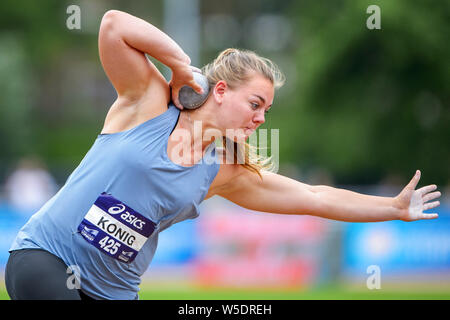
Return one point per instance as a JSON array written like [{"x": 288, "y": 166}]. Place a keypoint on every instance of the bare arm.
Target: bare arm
[
  {"x": 278, "y": 194},
  {"x": 346, "y": 205},
  {"x": 123, "y": 41}
]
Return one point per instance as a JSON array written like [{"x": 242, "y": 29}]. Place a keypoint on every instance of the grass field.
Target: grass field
[{"x": 161, "y": 291}]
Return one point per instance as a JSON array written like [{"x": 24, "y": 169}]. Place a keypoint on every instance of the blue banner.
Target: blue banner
[{"x": 398, "y": 247}]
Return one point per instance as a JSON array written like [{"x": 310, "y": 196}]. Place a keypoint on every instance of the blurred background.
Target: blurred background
[{"x": 361, "y": 109}]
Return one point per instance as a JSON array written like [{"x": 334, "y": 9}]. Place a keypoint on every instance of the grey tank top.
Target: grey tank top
[{"x": 104, "y": 222}]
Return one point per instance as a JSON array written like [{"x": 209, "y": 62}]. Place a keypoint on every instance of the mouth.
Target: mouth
[{"x": 248, "y": 131}]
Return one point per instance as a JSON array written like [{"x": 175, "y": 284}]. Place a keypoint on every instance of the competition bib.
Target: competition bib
[{"x": 115, "y": 229}]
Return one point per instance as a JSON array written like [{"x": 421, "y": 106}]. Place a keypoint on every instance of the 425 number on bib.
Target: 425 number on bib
[{"x": 109, "y": 245}]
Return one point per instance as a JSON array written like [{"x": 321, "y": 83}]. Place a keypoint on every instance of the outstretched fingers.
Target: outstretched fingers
[
  {"x": 420, "y": 199},
  {"x": 427, "y": 189},
  {"x": 431, "y": 205},
  {"x": 428, "y": 195},
  {"x": 429, "y": 216},
  {"x": 431, "y": 196},
  {"x": 414, "y": 181}
]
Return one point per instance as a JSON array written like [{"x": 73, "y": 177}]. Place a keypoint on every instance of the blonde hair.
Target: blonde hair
[{"x": 236, "y": 66}]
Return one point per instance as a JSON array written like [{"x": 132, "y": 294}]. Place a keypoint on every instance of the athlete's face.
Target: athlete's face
[{"x": 242, "y": 110}]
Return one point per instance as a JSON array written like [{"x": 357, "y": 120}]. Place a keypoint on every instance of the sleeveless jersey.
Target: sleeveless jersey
[{"x": 104, "y": 222}]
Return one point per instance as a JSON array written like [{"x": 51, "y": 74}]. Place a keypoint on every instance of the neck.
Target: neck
[{"x": 196, "y": 126}]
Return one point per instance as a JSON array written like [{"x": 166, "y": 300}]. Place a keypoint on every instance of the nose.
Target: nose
[{"x": 259, "y": 117}]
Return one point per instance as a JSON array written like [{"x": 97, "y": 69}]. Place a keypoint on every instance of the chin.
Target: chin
[{"x": 237, "y": 135}]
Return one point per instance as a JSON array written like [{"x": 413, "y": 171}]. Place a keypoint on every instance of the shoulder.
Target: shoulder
[{"x": 126, "y": 113}]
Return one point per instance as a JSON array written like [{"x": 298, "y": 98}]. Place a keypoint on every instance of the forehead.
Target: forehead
[{"x": 258, "y": 85}]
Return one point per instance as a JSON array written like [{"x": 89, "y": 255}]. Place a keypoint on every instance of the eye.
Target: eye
[{"x": 254, "y": 105}]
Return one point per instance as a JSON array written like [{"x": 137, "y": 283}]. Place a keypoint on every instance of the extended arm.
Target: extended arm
[{"x": 278, "y": 194}]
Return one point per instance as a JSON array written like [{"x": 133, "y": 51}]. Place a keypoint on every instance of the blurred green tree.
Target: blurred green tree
[
  {"x": 16, "y": 98},
  {"x": 370, "y": 102}
]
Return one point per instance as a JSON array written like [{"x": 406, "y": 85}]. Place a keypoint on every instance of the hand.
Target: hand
[
  {"x": 182, "y": 76},
  {"x": 413, "y": 202}
]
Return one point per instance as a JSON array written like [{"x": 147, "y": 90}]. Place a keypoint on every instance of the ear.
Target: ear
[{"x": 220, "y": 90}]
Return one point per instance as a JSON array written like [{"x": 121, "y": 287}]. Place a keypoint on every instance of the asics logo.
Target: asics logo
[
  {"x": 118, "y": 209},
  {"x": 126, "y": 216}
]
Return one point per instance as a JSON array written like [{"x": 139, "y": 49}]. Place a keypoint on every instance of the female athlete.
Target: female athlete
[{"x": 150, "y": 167}]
